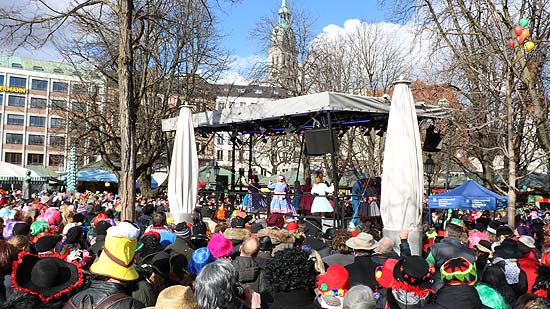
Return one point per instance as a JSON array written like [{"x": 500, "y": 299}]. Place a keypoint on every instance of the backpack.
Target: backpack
[{"x": 108, "y": 302}]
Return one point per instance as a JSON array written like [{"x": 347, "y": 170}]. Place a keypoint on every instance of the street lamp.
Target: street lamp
[
  {"x": 216, "y": 174},
  {"x": 429, "y": 167}
]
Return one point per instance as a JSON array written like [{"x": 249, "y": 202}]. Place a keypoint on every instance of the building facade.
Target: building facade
[{"x": 35, "y": 97}]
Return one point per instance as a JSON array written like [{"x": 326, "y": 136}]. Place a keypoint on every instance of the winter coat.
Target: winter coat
[
  {"x": 339, "y": 258},
  {"x": 100, "y": 290},
  {"x": 361, "y": 271},
  {"x": 529, "y": 263},
  {"x": 182, "y": 246},
  {"x": 495, "y": 277},
  {"x": 250, "y": 273},
  {"x": 448, "y": 248},
  {"x": 456, "y": 297}
]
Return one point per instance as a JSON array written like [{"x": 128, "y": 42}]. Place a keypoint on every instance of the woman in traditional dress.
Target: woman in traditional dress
[
  {"x": 255, "y": 201},
  {"x": 320, "y": 203},
  {"x": 307, "y": 198},
  {"x": 280, "y": 202}
]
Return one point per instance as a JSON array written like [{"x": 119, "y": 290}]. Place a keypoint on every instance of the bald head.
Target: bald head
[{"x": 250, "y": 247}]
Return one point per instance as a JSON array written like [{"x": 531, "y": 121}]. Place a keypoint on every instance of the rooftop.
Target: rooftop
[{"x": 35, "y": 65}]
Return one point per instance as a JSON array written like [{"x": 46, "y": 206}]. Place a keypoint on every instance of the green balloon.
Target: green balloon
[{"x": 524, "y": 22}]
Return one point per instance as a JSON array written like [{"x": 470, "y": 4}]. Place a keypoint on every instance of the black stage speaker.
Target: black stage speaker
[
  {"x": 320, "y": 141},
  {"x": 433, "y": 141}
]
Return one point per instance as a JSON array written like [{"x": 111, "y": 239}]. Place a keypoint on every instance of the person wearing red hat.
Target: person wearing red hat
[
  {"x": 292, "y": 227},
  {"x": 332, "y": 286}
]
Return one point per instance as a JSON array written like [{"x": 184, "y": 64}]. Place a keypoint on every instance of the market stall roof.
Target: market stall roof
[
  {"x": 470, "y": 195},
  {"x": 96, "y": 175},
  {"x": 301, "y": 112}
]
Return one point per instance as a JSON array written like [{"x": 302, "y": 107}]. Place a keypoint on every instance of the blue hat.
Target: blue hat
[
  {"x": 362, "y": 177},
  {"x": 200, "y": 258}
]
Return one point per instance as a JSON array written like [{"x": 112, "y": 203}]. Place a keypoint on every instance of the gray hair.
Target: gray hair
[
  {"x": 359, "y": 297},
  {"x": 216, "y": 284},
  {"x": 385, "y": 245}
]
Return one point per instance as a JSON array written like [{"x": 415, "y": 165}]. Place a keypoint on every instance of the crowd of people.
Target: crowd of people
[{"x": 73, "y": 251}]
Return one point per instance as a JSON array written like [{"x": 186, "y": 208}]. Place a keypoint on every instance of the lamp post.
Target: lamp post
[
  {"x": 216, "y": 174},
  {"x": 429, "y": 167}
]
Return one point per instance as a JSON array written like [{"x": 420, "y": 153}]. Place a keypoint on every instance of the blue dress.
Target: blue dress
[{"x": 280, "y": 202}]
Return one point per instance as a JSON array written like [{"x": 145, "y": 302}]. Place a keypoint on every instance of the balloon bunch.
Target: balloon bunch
[
  {"x": 525, "y": 189},
  {"x": 522, "y": 35}
]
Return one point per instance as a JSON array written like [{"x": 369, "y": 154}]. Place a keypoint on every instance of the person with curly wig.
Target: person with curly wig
[
  {"x": 292, "y": 277},
  {"x": 341, "y": 253}
]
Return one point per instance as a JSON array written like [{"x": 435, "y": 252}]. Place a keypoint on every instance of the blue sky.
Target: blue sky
[{"x": 236, "y": 20}]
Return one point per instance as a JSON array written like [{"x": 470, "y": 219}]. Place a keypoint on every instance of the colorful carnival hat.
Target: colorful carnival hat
[
  {"x": 200, "y": 258},
  {"x": 458, "y": 271},
  {"x": 117, "y": 258},
  {"x": 335, "y": 282},
  {"x": 220, "y": 246},
  {"x": 386, "y": 277},
  {"x": 414, "y": 271},
  {"x": 47, "y": 277}
]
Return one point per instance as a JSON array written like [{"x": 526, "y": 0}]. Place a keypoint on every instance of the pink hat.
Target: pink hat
[
  {"x": 475, "y": 237},
  {"x": 220, "y": 246}
]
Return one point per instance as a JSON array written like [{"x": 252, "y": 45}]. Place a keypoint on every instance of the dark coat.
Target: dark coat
[
  {"x": 456, "y": 297},
  {"x": 494, "y": 276},
  {"x": 98, "y": 245},
  {"x": 182, "y": 246},
  {"x": 250, "y": 273},
  {"x": 449, "y": 248},
  {"x": 297, "y": 299},
  {"x": 339, "y": 258},
  {"x": 99, "y": 290},
  {"x": 361, "y": 271}
]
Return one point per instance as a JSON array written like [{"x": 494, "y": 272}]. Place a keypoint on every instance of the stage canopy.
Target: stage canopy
[
  {"x": 470, "y": 195},
  {"x": 301, "y": 113}
]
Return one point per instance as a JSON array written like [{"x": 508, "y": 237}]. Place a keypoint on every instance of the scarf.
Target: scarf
[{"x": 511, "y": 270}]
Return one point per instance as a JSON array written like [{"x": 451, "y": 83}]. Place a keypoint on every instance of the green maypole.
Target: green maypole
[{"x": 71, "y": 173}]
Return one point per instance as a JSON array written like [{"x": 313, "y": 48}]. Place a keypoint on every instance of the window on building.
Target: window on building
[
  {"x": 18, "y": 82},
  {"x": 1, "y": 99},
  {"x": 58, "y": 70},
  {"x": 221, "y": 105},
  {"x": 230, "y": 155},
  {"x": 57, "y": 123},
  {"x": 78, "y": 88},
  {"x": 258, "y": 91},
  {"x": 14, "y": 138},
  {"x": 37, "y": 68},
  {"x": 79, "y": 107},
  {"x": 56, "y": 160},
  {"x": 39, "y": 84},
  {"x": 219, "y": 155},
  {"x": 37, "y": 121},
  {"x": 60, "y": 87},
  {"x": 36, "y": 139},
  {"x": 1, "y": 80},
  {"x": 219, "y": 139},
  {"x": 58, "y": 141},
  {"x": 16, "y": 120},
  {"x": 240, "y": 90},
  {"x": 14, "y": 157},
  {"x": 16, "y": 65},
  {"x": 15, "y": 100},
  {"x": 59, "y": 104},
  {"x": 38, "y": 102},
  {"x": 35, "y": 159}
]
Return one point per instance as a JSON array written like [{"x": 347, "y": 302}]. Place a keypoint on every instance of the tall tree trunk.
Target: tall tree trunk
[
  {"x": 510, "y": 144},
  {"x": 127, "y": 186}
]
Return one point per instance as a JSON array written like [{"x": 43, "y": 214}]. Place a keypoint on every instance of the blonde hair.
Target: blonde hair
[
  {"x": 319, "y": 265},
  {"x": 20, "y": 242}
]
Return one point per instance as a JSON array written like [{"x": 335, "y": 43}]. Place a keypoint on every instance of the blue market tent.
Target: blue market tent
[
  {"x": 96, "y": 175},
  {"x": 470, "y": 195}
]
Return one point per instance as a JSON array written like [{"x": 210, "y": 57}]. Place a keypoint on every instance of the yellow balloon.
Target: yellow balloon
[{"x": 528, "y": 46}]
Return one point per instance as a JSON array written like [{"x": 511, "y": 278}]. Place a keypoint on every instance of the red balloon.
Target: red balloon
[
  {"x": 511, "y": 43},
  {"x": 518, "y": 29},
  {"x": 520, "y": 40}
]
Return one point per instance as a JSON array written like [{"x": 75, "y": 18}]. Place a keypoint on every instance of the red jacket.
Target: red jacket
[{"x": 529, "y": 263}]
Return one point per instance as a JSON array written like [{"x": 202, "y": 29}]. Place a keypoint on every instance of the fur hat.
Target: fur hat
[
  {"x": 277, "y": 236},
  {"x": 220, "y": 246},
  {"x": 236, "y": 234},
  {"x": 116, "y": 259},
  {"x": 48, "y": 277},
  {"x": 334, "y": 282}
]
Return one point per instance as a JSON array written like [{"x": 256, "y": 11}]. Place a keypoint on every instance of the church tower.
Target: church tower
[{"x": 282, "y": 54}]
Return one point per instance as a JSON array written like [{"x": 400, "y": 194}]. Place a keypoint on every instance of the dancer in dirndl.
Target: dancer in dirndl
[
  {"x": 280, "y": 203},
  {"x": 320, "y": 203}
]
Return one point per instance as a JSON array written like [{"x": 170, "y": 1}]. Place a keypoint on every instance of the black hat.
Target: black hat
[
  {"x": 182, "y": 230},
  {"x": 47, "y": 243},
  {"x": 161, "y": 263},
  {"x": 414, "y": 270},
  {"x": 492, "y": 227},
  {"x": 148, "y": 209},
  {"x": 101, "y": 227},
  {"x": 329, "y": 234},
  {"x": 74, "y": 234},
  {"x": 504, "y": 231},
  {"x": 265, "y": 243},
  {"x": 314, "y": 243},
  {"x": 484, "y": 246},
  {"x": 48, "y": 277},
  {"x": 199, "y": 228},
  {"x": 79, "y": 218},
  {"x": 508, "y": 249},
  {"x": 256, "y": 227},
  {"x": 237, "y": 222},
  {"x": 21, "y": 229},
  {"x": 205, "y": 212}
]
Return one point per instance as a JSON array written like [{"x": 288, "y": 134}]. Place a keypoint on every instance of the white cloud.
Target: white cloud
[{"x": 239, "y": 73}]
